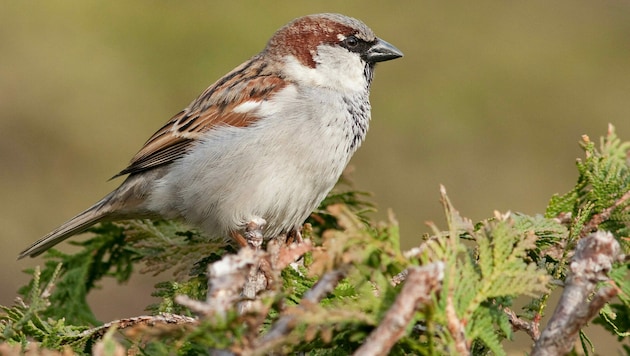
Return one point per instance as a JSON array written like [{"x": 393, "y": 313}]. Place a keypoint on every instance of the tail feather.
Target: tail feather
[
  {"x": 125, "y": 202},
  {"x": 97, "y": 213}
]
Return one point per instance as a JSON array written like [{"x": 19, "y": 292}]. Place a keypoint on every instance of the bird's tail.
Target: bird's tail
[
  {"x": 98, "y": 212},
  {"x": 125, "y": 202}
]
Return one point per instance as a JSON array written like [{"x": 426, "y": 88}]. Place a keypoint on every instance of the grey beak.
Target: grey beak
[{"x": 382, "y": 51}]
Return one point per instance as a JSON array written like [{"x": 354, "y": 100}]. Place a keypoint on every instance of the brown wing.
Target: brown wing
[{"x": 252, "y": 81}]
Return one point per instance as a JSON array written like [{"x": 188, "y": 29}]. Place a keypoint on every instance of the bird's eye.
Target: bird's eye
[{"x": 351, "y": 42}]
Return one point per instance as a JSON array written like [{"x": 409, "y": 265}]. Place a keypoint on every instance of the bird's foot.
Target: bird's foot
[
  {"x": 295, "y": 236},
  {"x": 254, "y": 233}
]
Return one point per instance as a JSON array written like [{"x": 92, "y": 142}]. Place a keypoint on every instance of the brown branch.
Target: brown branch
[
  {"x": 420, "y": 284},
  {"x": 589, "y": 266},
  {"x": 237, "y": 280},
  {"x": 287, "y": 322},
  {"x": 226, "y": 280},
  {"x": 267, "y": 272},
  {"x": 288, "y": 254},
  {"x": 456, "y": 328},
  {"x": 400, "y": 277},
  {"x": 597, "y": 219},
  {"x": 145, "y": 320},
  {"x": 532, "y": 328}
]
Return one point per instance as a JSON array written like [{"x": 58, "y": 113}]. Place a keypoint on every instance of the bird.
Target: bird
[{"x": 263, "y": 145}]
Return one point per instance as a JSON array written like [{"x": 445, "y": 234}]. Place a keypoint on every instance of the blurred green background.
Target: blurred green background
[{"x": 489, "y": 100}]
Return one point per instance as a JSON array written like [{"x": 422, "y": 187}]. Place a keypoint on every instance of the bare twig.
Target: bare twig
[
  {"x": 400, "y": 277},
  {"x": 256, "y": 280},
  {"x": 226, "y": 279},
  {"x": 288, "y": 254},
  {"x": 287, "y": 322},
  {"x": 597, "y": 219},
  {"x": 589, "y": 266},
  {"x": 267, "y": 272},
  {"x": 456, "y": 327},
  {"x": 237, "y": 280},
  {"x": 532, "y": 328},
  {"x": 146, "y": 320},
  {"x": 420, "y": 284}
]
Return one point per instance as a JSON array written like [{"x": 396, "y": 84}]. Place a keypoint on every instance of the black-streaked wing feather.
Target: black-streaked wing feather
[{"x": 251, "y": 81}]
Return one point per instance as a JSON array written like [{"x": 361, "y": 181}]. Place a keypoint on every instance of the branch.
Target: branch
[
  {"x": 226, "y": 279},
  {"x": 597, "y": 219},
  {"x": 532, "y": 328},
  {"x": 420, "y": 284},
  {"x": 287, "y": 322},
  {"x": 590, "y": 265},
  {"x": 146, "y": 320},
  {"x": 456, "y": 327},
  {"x": 268, "y": 269},
  {"x": 400, "y": 277}
]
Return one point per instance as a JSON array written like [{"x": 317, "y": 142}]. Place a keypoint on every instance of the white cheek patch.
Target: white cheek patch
[
  {"x": 246, "y": 107},
  {"x": 336, "y": 68}
]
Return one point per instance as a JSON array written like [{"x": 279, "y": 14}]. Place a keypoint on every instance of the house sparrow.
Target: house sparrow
[{"x": 265, "y": 143}]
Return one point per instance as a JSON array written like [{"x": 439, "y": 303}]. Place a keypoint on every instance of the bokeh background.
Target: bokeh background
[{"x": 490, "y": 100}]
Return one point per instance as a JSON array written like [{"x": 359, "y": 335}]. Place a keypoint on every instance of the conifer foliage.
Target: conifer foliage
[{"x": 348, "y": 288}]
